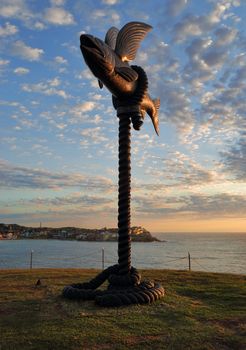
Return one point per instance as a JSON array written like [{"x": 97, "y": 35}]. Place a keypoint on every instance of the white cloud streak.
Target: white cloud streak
[
  {"x": 174, "y": 7},
  {"x": 58, "y": 16},
  {"x": 20, "y": 49},
  {"x": 8, "y": 29},
  {"x": 21, "y": 71},
  {"x": 48, "y": 88},
  {"x": 4, "y": 62},
  {"x": 13, "y": 176},
  {"x": 60, "y": 60}
]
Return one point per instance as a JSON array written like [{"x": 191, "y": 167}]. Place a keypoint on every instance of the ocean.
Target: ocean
[{"x": 209, "y": 252}]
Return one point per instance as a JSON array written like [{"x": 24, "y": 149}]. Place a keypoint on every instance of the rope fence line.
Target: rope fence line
[
  {"x": 193, "y": 259},
  {"x": 101, "y": 260},
  {"x": 185, "y": 257},
  {"x": 111, "y": 261}
]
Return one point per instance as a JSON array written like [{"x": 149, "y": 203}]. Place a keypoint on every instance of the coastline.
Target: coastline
[{"x": 14, "y": 232}]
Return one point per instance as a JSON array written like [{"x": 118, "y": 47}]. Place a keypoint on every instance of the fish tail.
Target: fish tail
[
  {"x": 155, "y": 119},
  {"x": 157, "y": 103}
]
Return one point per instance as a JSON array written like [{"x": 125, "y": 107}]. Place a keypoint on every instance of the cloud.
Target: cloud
[
  {"x": 225, "y": 35},
  {"x": 48, "y": 88},
  {"x": 178, "y": 110},
  {"x": 197, "y": 67},
  {"x": 9, "y": 103},
  {"x": 57, "y": 2},
  {"x": 20, "y": 10},
  {"x": 207, "y": 58},
  {"x": 189, "y": 26},
  {"x": 58, "y": 16},
  {"x": 167, "y": 81},
  {"x": 179, "y": 169},
  {"x": 76, "y": 199},
  {"x": 220, "y": 205},
  {"x": 8, "y": 29},
  {"x": 196, "y": 206},
  {"x": 60, "y": 60},
  {"x": 15, "y": 9},
  {"x": 38, "y": 25},
  {"x": 13, "y": 176},
  {"x": 214, "y": 66},
  {"x": 20, "y": 49},
  {"x": 11, "y": 8},
  {"x": 94, "y": 134},
  {"x": 110, "y": 2},
  {"x": 4, "y": 62},
  {"x": 214, "y": 58},
  {"x": 96, "y": 214},
  {"x": 3, "y": 66},
  {"x": 81, "y": 112},
  {"x": 224, "y": 105},
  {"x": 174, "y": 7},
  {"x": 105, "y": 16},
  {"x": 234, "y": 159},
  {"x": 84, "y": 107},
  {"x": 195, "y": 25},
  {"x": 21, "y": 71}
]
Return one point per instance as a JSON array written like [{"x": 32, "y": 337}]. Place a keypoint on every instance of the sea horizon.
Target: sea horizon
[{"x": 210, "y": 253}]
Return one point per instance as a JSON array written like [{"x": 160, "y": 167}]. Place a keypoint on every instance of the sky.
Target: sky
[{"x": 59, "y": 131}]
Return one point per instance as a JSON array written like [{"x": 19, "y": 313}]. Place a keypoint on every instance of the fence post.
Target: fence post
[
  {"x": 103, "y": 258},
  {"x": 31, "y": 259},
  {"x": 189, "y": 261}
]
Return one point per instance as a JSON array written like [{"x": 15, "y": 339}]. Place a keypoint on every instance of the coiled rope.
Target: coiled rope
[{"x": 122, "y": 289}]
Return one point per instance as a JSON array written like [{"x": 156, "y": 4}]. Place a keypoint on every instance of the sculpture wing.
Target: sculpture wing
[
  {"x": 111, "y": 36},
  {"x": 127, "y": 73},
  {"x": 129, "y": 38}
]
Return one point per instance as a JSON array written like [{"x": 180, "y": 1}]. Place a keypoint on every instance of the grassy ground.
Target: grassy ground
[{"x": 200, "y": 311}]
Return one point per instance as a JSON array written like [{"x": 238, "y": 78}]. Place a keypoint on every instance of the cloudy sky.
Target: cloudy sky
[{"x": 59, "y": 132}]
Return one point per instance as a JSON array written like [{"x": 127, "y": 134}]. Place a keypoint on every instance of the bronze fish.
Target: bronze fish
[{"x": 108, "y": 61}]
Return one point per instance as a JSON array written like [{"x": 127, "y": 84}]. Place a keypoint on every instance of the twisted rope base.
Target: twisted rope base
[{"x": 122, "y": 290}]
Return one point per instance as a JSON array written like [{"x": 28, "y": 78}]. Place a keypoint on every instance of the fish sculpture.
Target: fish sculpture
[{"x": 108, "y": 61}]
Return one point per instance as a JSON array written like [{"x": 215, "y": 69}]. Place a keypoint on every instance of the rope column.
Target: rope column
[{"x": 124, "y": 195}]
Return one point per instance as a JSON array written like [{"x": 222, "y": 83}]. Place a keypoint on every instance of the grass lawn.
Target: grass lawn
[{"x": 199, "y": 311}]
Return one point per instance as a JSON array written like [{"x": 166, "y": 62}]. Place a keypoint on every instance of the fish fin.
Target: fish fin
[
  {"x": 155, "y": 121},
  {"x": 154, "y": 116},
  {"x": 127, "y": 73},
  {"x": 157, "y": 103},
  {"x": 111, "y": 36},
  {"x": 129, "y": 38},
  {"x": 100, "y": 84}
]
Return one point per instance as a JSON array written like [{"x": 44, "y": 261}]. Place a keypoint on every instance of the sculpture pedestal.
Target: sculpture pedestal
[{"x": 122, "y": 289}]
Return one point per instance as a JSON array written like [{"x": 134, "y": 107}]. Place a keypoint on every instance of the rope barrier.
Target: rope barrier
[
  {"x": 110, "y": 261},
  {"x": 83, "y": 260},
  {"x": 193, "y": 259}
]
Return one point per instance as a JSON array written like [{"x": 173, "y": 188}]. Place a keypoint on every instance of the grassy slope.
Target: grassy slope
[{"x": 199, "y": 311}]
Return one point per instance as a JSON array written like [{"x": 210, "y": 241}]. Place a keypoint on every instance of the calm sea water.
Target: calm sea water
[{"x": 209, "y": 252}]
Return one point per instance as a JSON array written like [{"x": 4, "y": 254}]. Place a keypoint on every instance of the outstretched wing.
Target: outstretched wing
[
  {"x": 129, "y": 38},
  {"x": 111, "y": 36}
]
